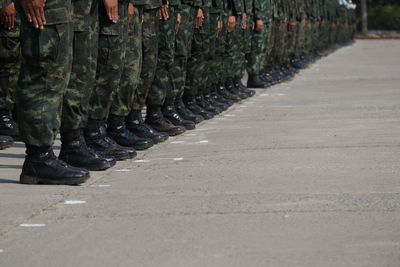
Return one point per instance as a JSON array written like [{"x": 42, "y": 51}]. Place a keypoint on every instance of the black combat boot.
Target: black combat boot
[
  {"x": 41, "y": 166},
  {"x": 116, "y": 129},
  {"x": 136, "y": 125},
  {"x": 233, "y": 90},
  {"x": 190, "y": 103},
  {"x": 219, "y": 98},
  {"x": 8, "y": 126},
  {"x": 173, "y": 116},
  {"x": 186, "y": 113},
  {"x": 75, "y": 152},
  {"x": 255, "y": 81},
  {"x": 209, "y": 97},
  {"x": 6, "y": 141},
  {"x": 238, "y": 84},
  {"x": 155, "y": 119},
  {"x": 203, "y": 103},
  {"x": 96, "y": 137},
  {"x": 222, "y": 91}
]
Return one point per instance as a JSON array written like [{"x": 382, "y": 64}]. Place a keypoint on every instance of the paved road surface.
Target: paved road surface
[{"x": 306, "y": 173}]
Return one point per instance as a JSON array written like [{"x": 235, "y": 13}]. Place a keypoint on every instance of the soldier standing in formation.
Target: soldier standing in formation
[{"x": 86, "y": 69}]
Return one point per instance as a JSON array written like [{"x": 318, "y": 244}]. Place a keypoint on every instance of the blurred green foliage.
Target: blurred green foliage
[{"x": 382, "y": 14}]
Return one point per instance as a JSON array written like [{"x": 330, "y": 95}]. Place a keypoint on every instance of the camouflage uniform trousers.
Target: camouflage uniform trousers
[
  {"x": 300, "y": 39},
  {"x": 123, "y": 98},
  {"x": 111, "y": 55},
  {"x": 197, "y": 62},
  {"x": 213, "y": 61},
  {"x": 83, "y": 75},
  {"x": 281, "y": 40},
  {"x": 221, "y": 62},
  {"x": 9, "y": 68},
  {"x": 162, "y": 85},
  {"x": 257, "y": 52},
  {"x": 232, "y": 50},
  {"x": 183, "y": 46},
  {"x": 150, "y": 30},
  {"x": 44, "y": 75},
  {"x": 270, "y": 47}
]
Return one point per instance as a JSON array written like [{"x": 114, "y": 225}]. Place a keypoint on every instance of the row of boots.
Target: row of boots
[{"x": 102, "y": 143}]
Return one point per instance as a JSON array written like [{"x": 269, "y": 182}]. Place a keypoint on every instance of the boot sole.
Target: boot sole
[{"x": 28, "y": 179}]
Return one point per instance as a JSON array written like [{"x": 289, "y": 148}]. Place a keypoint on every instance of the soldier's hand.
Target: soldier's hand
[
  {"x": 131, "y": 11},
  {"x": 8, "y": 14},
  {"x": 244, "y": 21},
  {"x": 220, "y": 24},
  {"x": 259, "y": 25},
  {"x": 178, "y": 23},
  {"x": 199, "y": 19},
  {"x": 231, "y": 23},
  {"x": 34, "y": 11},
  {"x": 111, "y": 9},
  {"x": 164, "y": 12}
]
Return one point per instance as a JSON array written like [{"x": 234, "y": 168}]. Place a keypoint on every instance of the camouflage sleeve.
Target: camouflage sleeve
[
  {"x": 263, "y": 10},
  {"x": 237, "y": 7},
  {"x": 4, "y": 3}
]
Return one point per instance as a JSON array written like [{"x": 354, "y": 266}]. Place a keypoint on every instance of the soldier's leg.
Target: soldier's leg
[
  {"x": 163, "y": 81},
  {"x": 111, "y": 55},
  {"x": 9, "y": 70},
  {"x": 42, "y": 83},
  {"x": 74, "y": 150},
  {"x": 123, "y": 97},
  {"x": 256, "y": 57}
]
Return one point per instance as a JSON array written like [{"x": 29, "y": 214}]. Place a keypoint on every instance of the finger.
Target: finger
[
  {"x": 33, "y": 16},
  {"x": 12, "y": 20},
  {"x": 28, "y": 15},
  {"x": 43, "y": 17},
  {"x": 116, "y": 14},
  {"x": 109, "y": 14},
  {"x": 39, "y": 18}
]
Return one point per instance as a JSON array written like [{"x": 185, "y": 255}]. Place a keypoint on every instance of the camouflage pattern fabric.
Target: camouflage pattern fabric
[
  {"x": 163, "y": 85},
  {"x": 45, "y": 71},
  {"x": 10, "y": 64},
  {"x": 83, "y": 75},
  {"x": 111, "y": 55},
  {"x": 150, "y": 31},
  {"x": 123, "y": 98}
]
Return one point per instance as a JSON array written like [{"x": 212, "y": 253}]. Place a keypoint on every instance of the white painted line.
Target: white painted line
[
  {"x": 190, "y": 134},
  {"x": 280, "y": 94},
  {"x": 203, "y": 142},
  {"x": 100, "y": 185},
  {"x": 32, "y": 225},
  {"x": 1, "y": 250},
  {"x": 123, "y": 170},
  {"x": 230, "y": 115},
  {"x": 142, "y": 160},
  {"x": 264, "y": 95},
  {"x": 177, "y": 142},
  {"x": 177, "y": 159},
  {"x": 74, "y": 202}
]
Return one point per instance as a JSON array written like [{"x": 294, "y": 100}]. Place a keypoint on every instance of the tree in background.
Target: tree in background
[{"x": 382, "y": 14}]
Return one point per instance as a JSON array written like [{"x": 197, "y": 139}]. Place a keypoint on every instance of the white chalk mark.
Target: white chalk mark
[
  {"x": 100, "y": 185},
  {"x": 280, "y": 94},
  {"x": 177, "y": 159},
  {"x": 230, "y": 115},
  {"x": 205, "y": 129},
  {"x": 177, "y": 142},
  {"x": 264, "y": 95},
  {"x": 190, "y": 134},
  {"x": 74, "y": 202},
  {"x": 142, "y": 160},
  {"x": 203, "y": 142},
  {"x": 123, "y": 170},
  {"x": 32, "y": 225},
  {"x": 1, "y": 250}
]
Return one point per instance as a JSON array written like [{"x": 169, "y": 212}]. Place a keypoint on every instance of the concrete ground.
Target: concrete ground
[{"x": 304, "y": 174}]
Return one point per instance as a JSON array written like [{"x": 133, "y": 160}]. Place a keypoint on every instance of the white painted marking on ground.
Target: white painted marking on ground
[
  {"x": 190, "y": 134},
  {"x": 177, "y": 142},
  {"x": 101, "y": 185},
  {"x": 203, "y": 142},
  {"x": 123, "y": 170},
  {"x": 74, "y": 202},
  {"x": 205, "y": 129},
  {"x": 177, "y": 159},
  {"x": 230, "y": 115},
  {"x": 32, "y": 225},
  {"x": 264, "y": 95},
  {"x": 280, "y": 94},
  {"x": 142, "y": 160},
  {"x": 1, "y": 250}
]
